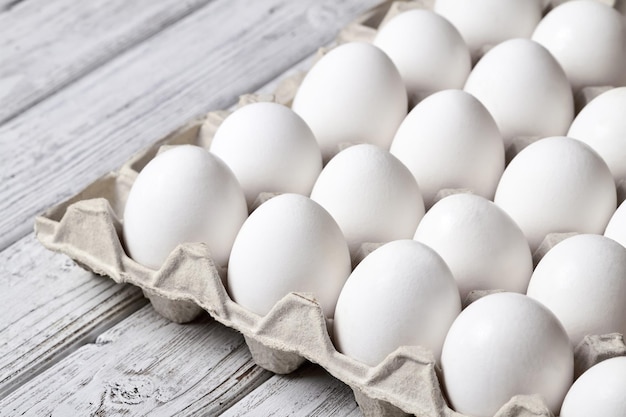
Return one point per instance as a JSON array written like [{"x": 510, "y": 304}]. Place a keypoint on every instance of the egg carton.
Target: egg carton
[{"x": 88, "y": 228}]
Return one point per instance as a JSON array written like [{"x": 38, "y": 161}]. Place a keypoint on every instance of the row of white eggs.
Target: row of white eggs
[
  {"x": 355, "y": 93},
  {"x": 404, "y": 293}
]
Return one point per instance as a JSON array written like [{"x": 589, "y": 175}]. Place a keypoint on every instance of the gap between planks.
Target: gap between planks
[
  {"x": 309, "y": 391},
  {"x": 147, "y": 365},
  {"x": 47, "y": 45},
  {"x": 143, "y": 365},
  {"x": 51, "y": 307},
  {"x": 8, "y": 5}
]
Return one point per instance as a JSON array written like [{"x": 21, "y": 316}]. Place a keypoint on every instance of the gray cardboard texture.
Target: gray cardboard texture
[{"x": 88, "y": 229}]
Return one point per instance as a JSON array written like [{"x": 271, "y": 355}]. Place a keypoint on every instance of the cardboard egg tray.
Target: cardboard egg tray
[{"x": 88, "y": 228}]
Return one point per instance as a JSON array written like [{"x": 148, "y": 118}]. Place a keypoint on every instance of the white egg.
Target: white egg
[
  {"x": 450, "y": 140},
  {"x": 557, "y": 184},
  {"x": 616, "y": 229},
  {"x": 481, "y": 244},
  {"x": 583, "y": 281},
  {"x": 503, "y": 345},
  {"x": 288, "y": 244},
  {"x": 525, "y": 90},
  {"x": 601, "y": 124},
  {"x": 599, "y": 391},
  {"x": 371, "y": 194},
  {"x": 353, "y": 94},
  {"x": 428, "y": 51},
  {"x": 588, "y": 39},
  {"x": 270, "y": 149},
  {"x": 485, "y": 23},
  {"x": 401, "y": 294},
  {"x": 184, "y": 194}
]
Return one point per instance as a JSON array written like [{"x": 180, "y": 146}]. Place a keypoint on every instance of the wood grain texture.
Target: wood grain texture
[
  {"x": 202, "y": 63},
  {"x": 144, "y": 365},
  {"x": 51, "y": 307},
  {"x": 309, "y": 391},
  {"x": 46, "y": 45}
]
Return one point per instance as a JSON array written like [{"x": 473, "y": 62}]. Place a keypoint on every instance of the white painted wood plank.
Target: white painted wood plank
[
  {"x": 203, "y": 63},
  {"x": 144, "y": 365},
  {"x": 47, "y": 44},
  {"x": 49, "y": 307},
  {"x": 309, "y": 391}
]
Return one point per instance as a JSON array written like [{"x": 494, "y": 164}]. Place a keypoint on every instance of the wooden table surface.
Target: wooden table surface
[{"x": 83, "y": 86}]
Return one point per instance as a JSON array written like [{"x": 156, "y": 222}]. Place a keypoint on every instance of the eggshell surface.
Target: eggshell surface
[
  {"x": 601, "y": 124},
  {"x": 288, "y": 244},
  {"x": 588, "y": 39},
  {"x": 184, "y": 194},
  {"x": 583, "y": 281},
  {"x": 525, "y": 90},
  {"x": 503, "y": 345},
  {"x": 557, "y": 184},
  {"x": 428, "y": 51},
  {"x": 270, "y": 149},
  {"x": 449, "y": 140},
  {"x": 353, "y": 94},
  {"x": 401, "y": 294},
  {"x": 482, "y": 245},
  {"x": 371, "y": 194},
  {"x": 599, "y": 391},
  {"x": 485, "y": 23}
]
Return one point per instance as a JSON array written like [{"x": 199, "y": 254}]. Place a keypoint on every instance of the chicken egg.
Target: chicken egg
[
  {"x": 481, "y": 244},
  {"x": 289, "y": 243},
  {"x": 557, "y": 184},
  {"x": 353, "y": 94},
  {"x": 525, "y": 90},
  {"x": 401, "y": 294},
  {"x": 486, "y": 23},
  {"x": 184, "y": 194},
  {"x": 599, "y": 391},
  {"x": 582, "y": 280},
  {"x": 450, "y": 140},
  {"x": 601, "y": 124},
  {"x": 503, "y": 345},
  {"x": 371, "y": 194},
  {"x": 588, "y": 39},
  {"x": 428, "y": 51},
  {"x": 270, "y": 149}
]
